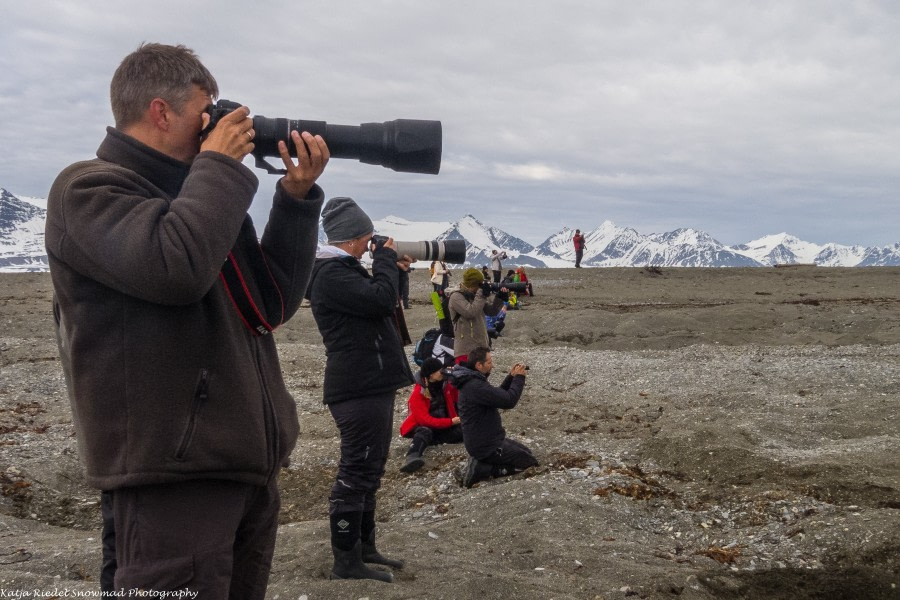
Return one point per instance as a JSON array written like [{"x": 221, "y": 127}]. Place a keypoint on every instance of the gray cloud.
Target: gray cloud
[{"x": 741, "y": 119}]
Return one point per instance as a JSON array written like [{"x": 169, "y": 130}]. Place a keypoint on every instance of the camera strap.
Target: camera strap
[{"x": 237, "y": 286}]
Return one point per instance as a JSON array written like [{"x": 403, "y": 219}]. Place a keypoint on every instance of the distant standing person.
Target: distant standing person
[
  {"x": 497, "y": 264},
  {"x": 578, "y": 242},
  {"x": 403, "y": 272},
  {"x": 440, "y": 276}
]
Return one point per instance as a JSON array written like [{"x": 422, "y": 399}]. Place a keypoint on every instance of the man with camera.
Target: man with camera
[
  {"x": 491, "y": 453},
  {"x": 164, "y": 301},
  {"x": 578, "y": 242},
  {"x": 468, "y": 306},
  {"x": 497, "y": 259}
]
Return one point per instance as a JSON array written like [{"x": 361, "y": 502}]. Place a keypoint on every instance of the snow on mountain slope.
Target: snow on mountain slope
[
  {"x": 609, "y": 245},
  {"x": 21, "y": 235}
]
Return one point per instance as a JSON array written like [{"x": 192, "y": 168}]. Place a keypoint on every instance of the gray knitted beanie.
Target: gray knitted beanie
[{"x": 343, "y": 220}]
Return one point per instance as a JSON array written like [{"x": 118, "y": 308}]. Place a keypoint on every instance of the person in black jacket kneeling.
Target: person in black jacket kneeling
[
  {"x": 365, "y": 366},
  {"x": 491, "y": 453}
]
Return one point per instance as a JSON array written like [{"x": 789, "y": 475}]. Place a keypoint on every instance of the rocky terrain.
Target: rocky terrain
[{"x": 703, "y": 433}]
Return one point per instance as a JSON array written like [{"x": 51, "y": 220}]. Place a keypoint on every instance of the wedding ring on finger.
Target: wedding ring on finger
[{"x": 249, "y": 134}]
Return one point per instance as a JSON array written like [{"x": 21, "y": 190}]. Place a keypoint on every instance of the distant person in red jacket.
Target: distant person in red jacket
[
  {"x": 432, "y": 416},
  {"x": 578, "y": 241}
]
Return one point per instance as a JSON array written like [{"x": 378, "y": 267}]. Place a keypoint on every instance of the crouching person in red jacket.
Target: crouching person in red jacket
[{"x": 432, "y": 416}]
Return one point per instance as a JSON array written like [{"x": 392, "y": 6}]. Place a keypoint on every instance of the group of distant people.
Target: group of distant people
[
  {"x": 457, "y": 405},
  {"x": 453, "y": 405}
]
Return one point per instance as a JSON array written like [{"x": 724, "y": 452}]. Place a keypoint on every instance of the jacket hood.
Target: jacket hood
[
  {"x": 417, "y": 376},
  {"x": 331, "y": 252},
  {"x": 461, "y": 375}
]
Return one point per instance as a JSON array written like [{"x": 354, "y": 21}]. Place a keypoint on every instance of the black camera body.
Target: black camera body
[
  {"x": 405, "y": 145},
  {"x": 451, "y": 251}
]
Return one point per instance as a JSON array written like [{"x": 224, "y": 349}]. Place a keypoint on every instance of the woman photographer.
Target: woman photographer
[
  {"x": 365, "y": 366},
  {"x": 468, "y": 306}
]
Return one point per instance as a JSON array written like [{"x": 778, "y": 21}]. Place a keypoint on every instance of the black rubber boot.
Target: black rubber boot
[
  {"x": 476, "y": 471},
  {"x": 370, "y": 554},
  {"x": 348, "y": 564},
  {"x": 414, "y": 460},
  {"x": 497, "y": 471},
  {"x": 347, "y": 549}
]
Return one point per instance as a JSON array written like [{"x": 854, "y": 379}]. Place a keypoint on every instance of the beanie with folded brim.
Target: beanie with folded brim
[
  {"x": 343, "y": 220},
  {"x": 472, "y": 278}
]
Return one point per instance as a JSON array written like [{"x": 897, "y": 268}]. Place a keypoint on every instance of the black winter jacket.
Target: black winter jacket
[
  {"x": 355, "y": 315},
  {"x": 479, "y": 404},
  {"x": 166, "y": 381}
]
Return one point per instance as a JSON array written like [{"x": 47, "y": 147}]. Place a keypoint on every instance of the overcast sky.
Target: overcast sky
[{"x": 738, "y": 118}]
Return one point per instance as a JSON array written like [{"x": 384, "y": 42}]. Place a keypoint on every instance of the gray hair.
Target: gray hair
[{"x": 157, "y": 71}]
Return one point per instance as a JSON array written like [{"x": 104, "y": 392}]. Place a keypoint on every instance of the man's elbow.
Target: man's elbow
[{"x": 180, "y": 289}]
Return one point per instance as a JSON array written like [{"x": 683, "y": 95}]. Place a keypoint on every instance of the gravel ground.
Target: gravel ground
[{"x": 703, "y": 433}]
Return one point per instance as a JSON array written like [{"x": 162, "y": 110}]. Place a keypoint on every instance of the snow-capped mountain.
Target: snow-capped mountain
[
  {"x": 886, "y": 256},
  {"x": 684, "y": 248},
  {"x": 21, "y": 234},
  {"x": 480, "y": 239},
  {"x": 782, "y": 248},
  {"x": 607, "y": 243},
  {"x": 613, "y": 246},
  {"x": 837, "y": 255},
  {"x": 22, "y": 244},
  {"x": 411, "y": 231}
]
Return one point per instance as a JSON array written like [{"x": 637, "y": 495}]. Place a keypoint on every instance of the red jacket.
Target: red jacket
[
  {"x": 578, "y": 240},
  {"x": 418, "y": 410}
]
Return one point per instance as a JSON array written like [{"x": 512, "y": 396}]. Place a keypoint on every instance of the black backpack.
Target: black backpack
[{"x": 434, "y": 344}]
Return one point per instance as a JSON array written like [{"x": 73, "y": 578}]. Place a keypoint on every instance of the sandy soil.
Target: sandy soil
[{"x": 703, "y": 433}]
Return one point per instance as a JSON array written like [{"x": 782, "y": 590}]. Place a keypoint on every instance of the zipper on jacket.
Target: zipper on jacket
[
  {"x": 201, "y": 395},
  {"x": 378, "y": 352},
  {"x": 270, "y": 416}
]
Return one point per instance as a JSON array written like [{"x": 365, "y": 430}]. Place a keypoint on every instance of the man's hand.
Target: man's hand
[
  {"x": 232, "y": 135},
  {"x": 312, "y": 156},
  {"x": 518, "y": 369},
  {"x": 455, "y": 420},
  {"x": 405, "y": 261}
]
